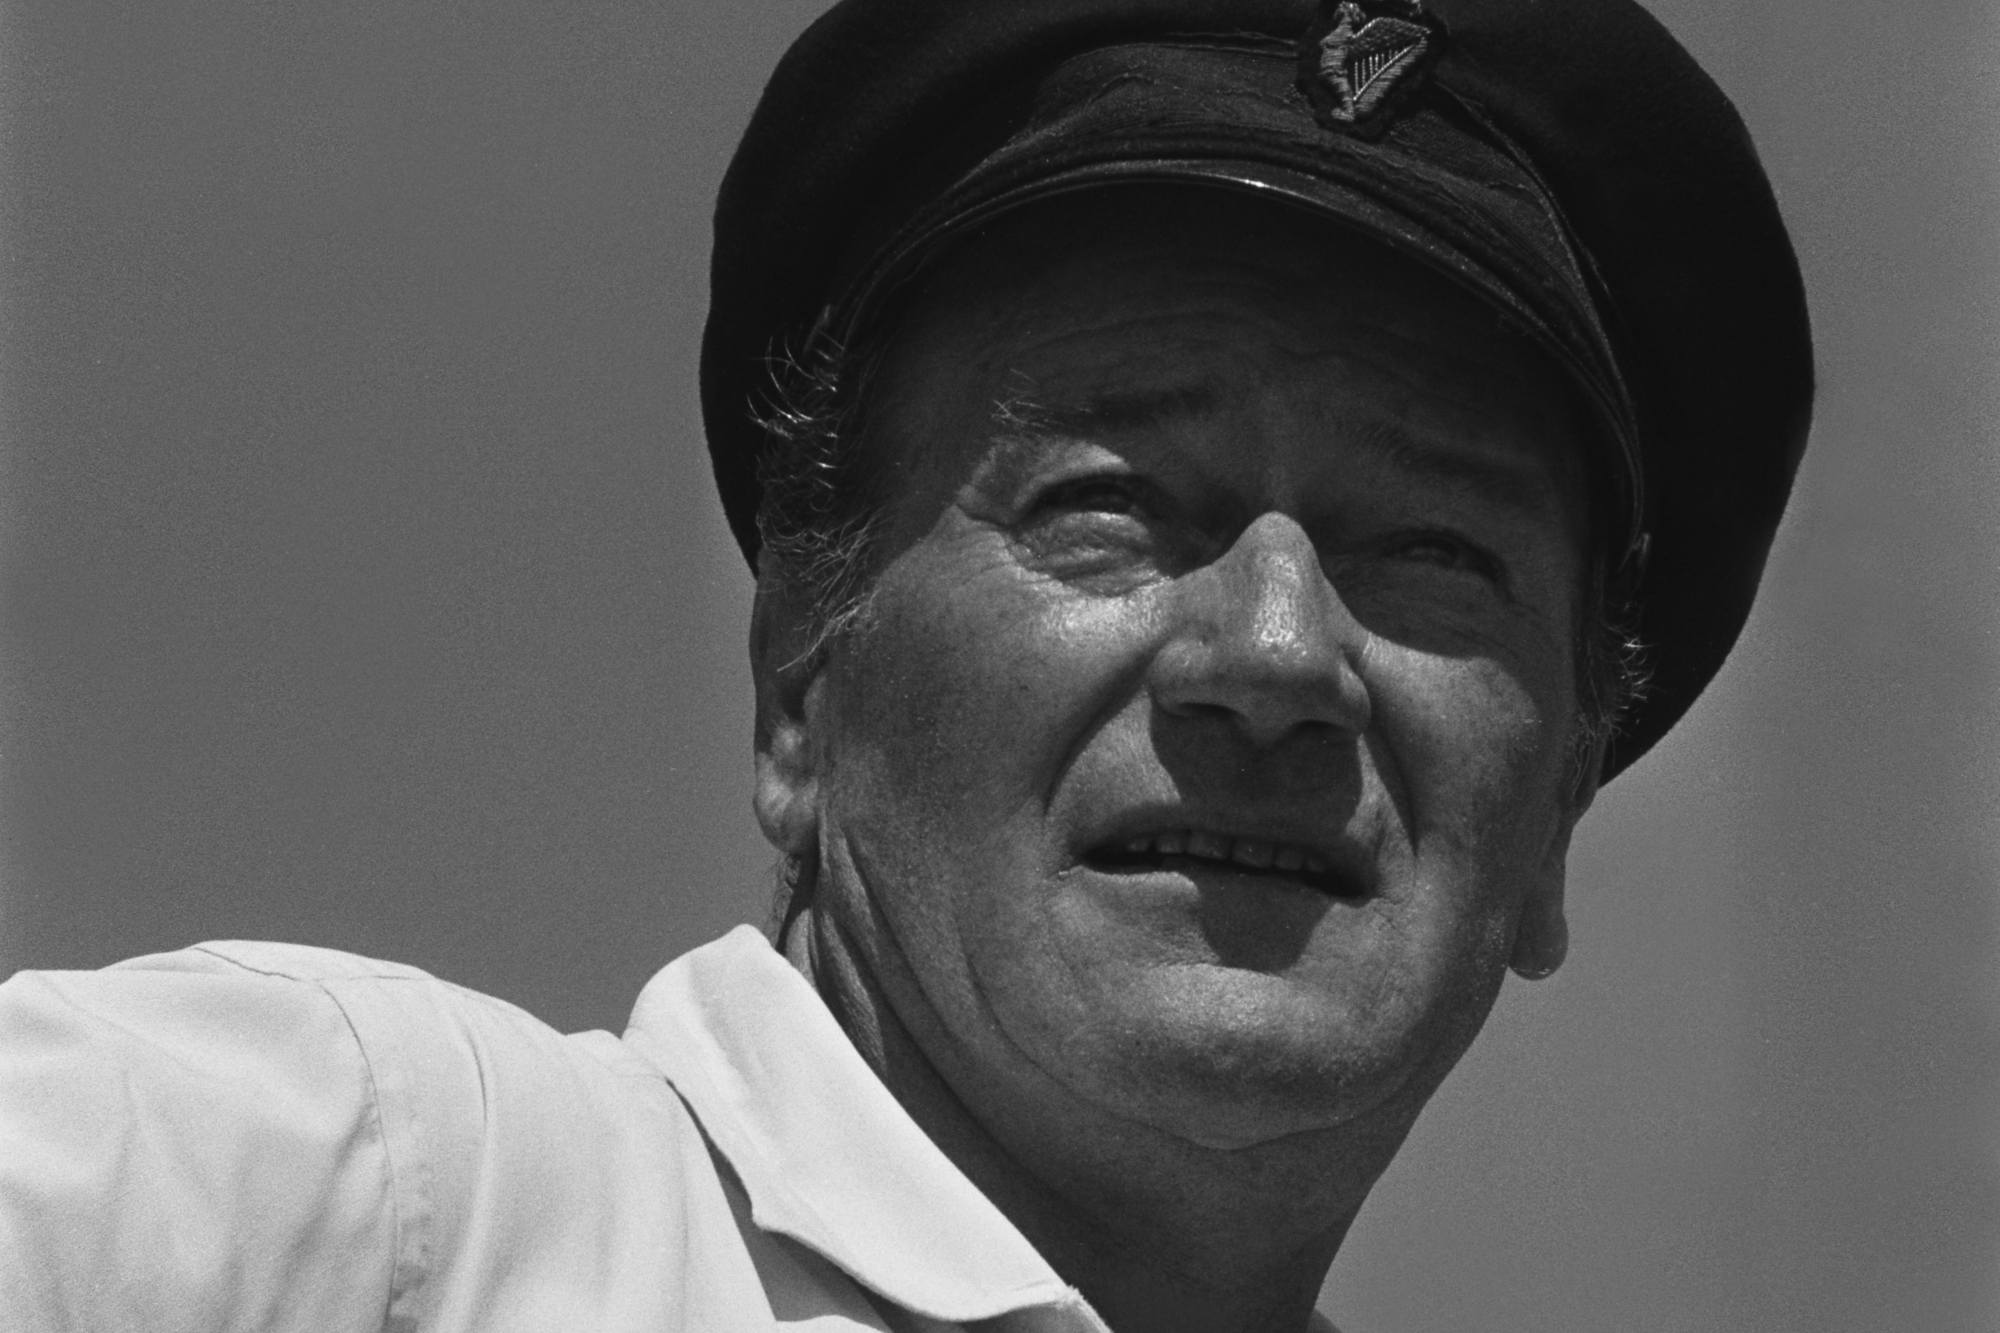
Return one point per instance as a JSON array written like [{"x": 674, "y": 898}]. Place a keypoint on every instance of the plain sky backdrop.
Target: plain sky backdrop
[{"x": 363, "y": 586}]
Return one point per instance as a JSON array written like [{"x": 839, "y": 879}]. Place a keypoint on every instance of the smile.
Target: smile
[{"x": 1182, "y": 848}]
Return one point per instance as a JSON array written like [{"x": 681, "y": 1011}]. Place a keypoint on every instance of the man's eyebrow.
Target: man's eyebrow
[
  {"x": 1526, "y": 488},
  {"x": 1109, "y": 410}
]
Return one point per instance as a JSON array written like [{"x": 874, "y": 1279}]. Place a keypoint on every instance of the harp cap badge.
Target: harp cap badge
[{"x": 1359, "y": 55}]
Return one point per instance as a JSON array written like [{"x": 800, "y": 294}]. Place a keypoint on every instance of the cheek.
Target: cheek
[
  {"x": 1476, "y": 756},
  {"x": 954, "y": 715},
  {"x": 1489, "y": 714},
  {"x": 959, "y": 704}
]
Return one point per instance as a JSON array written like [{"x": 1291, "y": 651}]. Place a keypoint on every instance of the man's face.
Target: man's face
[{"x": 1208, "y": 733}]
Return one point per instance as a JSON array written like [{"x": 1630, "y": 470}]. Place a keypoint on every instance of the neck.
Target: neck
[{"x": 1159, "y": 1234}]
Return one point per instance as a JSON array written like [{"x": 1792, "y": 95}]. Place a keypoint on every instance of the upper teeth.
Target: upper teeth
[{"x": 1258, "y": 853}]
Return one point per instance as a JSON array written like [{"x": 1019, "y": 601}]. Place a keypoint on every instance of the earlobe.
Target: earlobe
[
  {"x": 786, "y": 677},
  {"x": 787, "y": 795},
  {"x": 1541, "y": 936}
]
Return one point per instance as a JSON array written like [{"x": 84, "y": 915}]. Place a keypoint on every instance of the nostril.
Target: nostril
[{"x": 1269, "y": 688}]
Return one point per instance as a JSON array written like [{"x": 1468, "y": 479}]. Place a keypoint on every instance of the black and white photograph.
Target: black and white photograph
[{"x": 1038, "y": 666}]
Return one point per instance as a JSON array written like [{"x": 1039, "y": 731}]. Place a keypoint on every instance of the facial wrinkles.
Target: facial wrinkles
[
  {"x": 1226, "y": 344},
  {"x": 1255, "y": 425},
  {"x": 1001, "y": 720},
  {"x": 1281, "y": 586},
  {"x": 1239, "y": 375},
  {"x": 1076, "y": 629}
]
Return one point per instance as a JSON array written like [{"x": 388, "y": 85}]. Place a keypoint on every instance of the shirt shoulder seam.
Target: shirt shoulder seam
[{"x": 405, "y": 1274}]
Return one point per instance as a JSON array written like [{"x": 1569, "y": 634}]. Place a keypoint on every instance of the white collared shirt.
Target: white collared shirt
[{"x": 272, "y": 1137}]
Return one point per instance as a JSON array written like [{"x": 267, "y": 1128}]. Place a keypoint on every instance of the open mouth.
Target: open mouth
[{"x": 1189, "y": 849}]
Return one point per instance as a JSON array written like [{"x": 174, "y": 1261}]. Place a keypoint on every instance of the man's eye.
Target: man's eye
[
  {"x": 1447, "y": 551},
  {"x": 1102, "y": 495},
  {"x": 1101, "y": 527}
]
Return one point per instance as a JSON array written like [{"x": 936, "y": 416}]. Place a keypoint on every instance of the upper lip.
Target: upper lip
[{"x": 1334, "y": 864}]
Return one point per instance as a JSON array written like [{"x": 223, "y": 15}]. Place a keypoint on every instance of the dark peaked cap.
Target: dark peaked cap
[{"x": 1565, "y": 159}]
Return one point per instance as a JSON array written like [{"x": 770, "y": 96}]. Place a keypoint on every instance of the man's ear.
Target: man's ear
[
  {"x": 1541, "y": 936},
  {"x": 785, "y": 666}
]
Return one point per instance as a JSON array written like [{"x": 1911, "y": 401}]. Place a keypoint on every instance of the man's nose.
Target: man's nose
[{"x": 1262, "y": 638}]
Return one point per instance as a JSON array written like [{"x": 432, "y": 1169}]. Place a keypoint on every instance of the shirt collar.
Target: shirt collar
[{"x": 826, "y": 1154}]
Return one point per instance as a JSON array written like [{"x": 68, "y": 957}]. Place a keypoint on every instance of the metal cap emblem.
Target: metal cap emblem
[{"x": 1358, "y": 55}]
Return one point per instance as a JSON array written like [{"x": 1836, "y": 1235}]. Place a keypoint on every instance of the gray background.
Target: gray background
[{"x": 363, "y": 586}]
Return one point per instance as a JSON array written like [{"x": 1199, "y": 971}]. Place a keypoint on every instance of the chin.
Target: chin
[{"x": 1231, "y": 1060}]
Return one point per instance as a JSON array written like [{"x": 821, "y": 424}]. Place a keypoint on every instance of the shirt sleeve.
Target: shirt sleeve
[{"x": 189, "y": 1142}]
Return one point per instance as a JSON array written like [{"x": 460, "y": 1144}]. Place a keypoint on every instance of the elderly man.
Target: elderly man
[{"x": 1227, "y": 481}]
